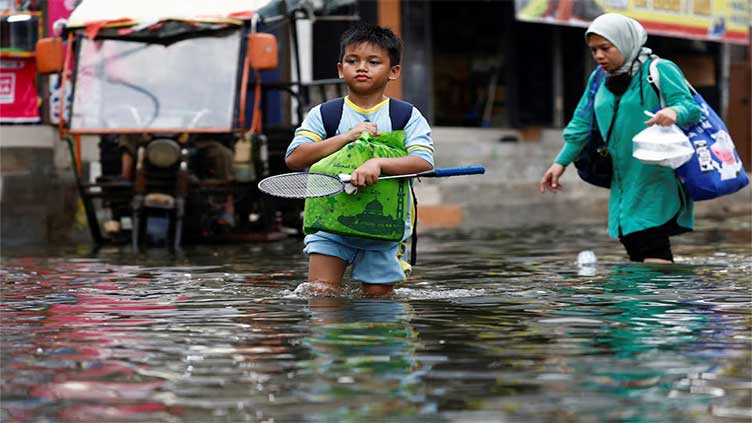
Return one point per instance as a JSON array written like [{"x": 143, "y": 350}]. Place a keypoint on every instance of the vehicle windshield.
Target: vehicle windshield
[{"x": 188, "y": 85}]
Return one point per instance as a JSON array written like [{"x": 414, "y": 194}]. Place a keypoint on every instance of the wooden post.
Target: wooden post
[
  {"x": 390, "y": 14},
  {"x": 77, "y": 157}
]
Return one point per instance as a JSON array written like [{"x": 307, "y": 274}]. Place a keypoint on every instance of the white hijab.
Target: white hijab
[{"x": 627, "y": 35}]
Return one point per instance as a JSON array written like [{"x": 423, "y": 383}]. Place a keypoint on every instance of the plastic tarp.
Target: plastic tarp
[{"x": 149, "y": 12}]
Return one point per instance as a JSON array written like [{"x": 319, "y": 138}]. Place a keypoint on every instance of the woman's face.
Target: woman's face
[{"x": 604, "y": 53}]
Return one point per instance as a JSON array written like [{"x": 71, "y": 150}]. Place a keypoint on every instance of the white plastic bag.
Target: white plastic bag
[{"x": 663, "y": 146}]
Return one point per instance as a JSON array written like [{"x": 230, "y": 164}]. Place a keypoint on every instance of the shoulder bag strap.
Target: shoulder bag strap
[
  {"x": 654, "y": 78},
  {"x": 613, "y": 119}
]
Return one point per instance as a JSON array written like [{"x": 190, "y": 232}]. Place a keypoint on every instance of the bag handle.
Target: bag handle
[{"x": 654, "y": 78}]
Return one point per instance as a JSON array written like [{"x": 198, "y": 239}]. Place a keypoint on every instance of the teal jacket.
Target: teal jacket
[{"x": 642, "y": 195}]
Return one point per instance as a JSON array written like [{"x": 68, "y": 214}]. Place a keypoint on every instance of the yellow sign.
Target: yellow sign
[{"x": 713, "y": 20}]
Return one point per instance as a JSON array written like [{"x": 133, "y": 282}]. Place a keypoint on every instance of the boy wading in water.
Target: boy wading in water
[{"x": 369, "y": 60}]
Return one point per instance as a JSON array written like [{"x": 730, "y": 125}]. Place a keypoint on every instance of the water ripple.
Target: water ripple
[{"x": 493, "y": 326}]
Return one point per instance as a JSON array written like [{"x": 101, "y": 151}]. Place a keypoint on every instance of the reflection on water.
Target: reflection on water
[
  {"x": 495, "y": 326},
  {"x": 362, "y": 363}
]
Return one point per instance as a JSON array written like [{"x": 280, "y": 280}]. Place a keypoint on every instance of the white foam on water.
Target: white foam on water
[
  {"x": 437, "y": 294},
  {"x": 301, "y": 291},
  {"x": 305, "y": 291}
]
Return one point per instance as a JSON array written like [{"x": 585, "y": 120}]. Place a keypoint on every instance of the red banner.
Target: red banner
[
  {"x": 18, "y": 90},
  {"x": 57, "y": 10}
]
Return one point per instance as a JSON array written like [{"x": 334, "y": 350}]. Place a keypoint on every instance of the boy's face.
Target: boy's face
[{"x": 366, "y": 68}]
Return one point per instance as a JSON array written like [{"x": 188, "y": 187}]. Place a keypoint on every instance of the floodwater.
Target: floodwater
[{"x": 495, "y": 326}]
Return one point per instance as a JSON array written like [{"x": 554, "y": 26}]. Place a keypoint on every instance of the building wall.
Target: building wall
[
  {"x": 38, "y": 194},
  {"x": 39, "y": 199},
  {"x": 471, "y": 63}
]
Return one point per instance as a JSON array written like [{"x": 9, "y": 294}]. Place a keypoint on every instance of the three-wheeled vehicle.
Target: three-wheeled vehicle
[{"x": 187, "y": 101}]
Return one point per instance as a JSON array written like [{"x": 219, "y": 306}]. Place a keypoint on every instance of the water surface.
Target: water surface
[{"x": 495, "y": 326}]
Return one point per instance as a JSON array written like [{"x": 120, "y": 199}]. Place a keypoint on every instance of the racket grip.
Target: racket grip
[{"x": 455, "y": 171}]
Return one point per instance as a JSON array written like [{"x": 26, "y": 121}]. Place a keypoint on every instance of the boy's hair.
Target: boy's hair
[{"x": 368, "y": 33}]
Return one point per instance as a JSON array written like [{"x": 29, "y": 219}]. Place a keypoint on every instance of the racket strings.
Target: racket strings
[{"x": 301, "y": 185}]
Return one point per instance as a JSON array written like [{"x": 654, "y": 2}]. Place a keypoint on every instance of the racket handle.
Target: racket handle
[
  {"x": 455, "y": 171},
  {"x": 435, "y": 173}
]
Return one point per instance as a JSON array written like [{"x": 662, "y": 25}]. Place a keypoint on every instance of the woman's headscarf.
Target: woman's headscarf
[{"x": 627, "y": 35}]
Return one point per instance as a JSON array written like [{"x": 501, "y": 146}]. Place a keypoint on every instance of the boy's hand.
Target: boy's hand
[
  {"x": 369, "y": 127},
  {"x": 366, "y": 174}
]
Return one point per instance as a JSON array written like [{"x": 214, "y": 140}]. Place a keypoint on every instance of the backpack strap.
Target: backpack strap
[
  {"x": 600, "y": 77},
  {"x": 399, "y": 113},
  {"x": 596, "y": 80},
  {"x": 414, "y": 235},
  {"x": 331, "y": 114}
]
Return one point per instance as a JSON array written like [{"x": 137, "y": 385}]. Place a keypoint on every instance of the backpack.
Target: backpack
[
  {"x": 594, "y": 164},
  {"x": 715, "y": 168},
  {"x": 399, "y": 114}
]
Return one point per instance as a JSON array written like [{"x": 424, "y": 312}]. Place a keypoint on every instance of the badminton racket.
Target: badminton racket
[{"x": 313, "y": 185}]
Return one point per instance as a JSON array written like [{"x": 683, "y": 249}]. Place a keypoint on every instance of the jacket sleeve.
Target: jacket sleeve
[
  {"x": 676, "y": 93},
  {"x": 577, "y": 132}
]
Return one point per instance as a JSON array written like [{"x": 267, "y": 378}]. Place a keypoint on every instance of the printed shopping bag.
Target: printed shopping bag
[{"x": 715, "y": 169}]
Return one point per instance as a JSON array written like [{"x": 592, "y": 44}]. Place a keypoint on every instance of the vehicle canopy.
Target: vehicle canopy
[
  {"x": 157, "y": 70},
  {"x": 141, "y": 11},
  {"x": 149, "y": 20},
  {"x": 158, "y": 66},
  {"x": 162, "y": 21},
  {"x": 168, "y": 65}
]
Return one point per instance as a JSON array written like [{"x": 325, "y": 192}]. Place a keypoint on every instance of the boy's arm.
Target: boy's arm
[
  {"x": 419, "y": 146},
  {"x": 307, "y": 154},
  {"x": 368, "y": 173}
]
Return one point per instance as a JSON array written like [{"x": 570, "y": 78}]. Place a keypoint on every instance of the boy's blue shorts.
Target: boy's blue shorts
[{"x": 375, "y": 262}]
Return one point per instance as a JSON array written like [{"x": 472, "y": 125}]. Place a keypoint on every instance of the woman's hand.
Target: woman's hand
[
  {"x": 664, "y": 117},
  {"x": 550, "y": 179},
  {"x": 366, "y": 174},
  {"x": 354, "y": 133}
]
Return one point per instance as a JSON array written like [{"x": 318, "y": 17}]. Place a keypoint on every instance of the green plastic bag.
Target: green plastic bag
[{"x": 376, "y": 212}]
